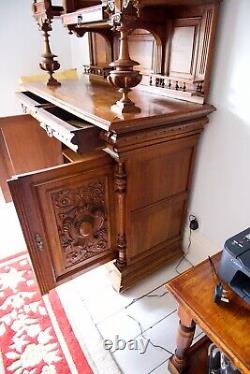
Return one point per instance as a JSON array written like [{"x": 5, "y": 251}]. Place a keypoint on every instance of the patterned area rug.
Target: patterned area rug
[{"x": 35, "y": 335}]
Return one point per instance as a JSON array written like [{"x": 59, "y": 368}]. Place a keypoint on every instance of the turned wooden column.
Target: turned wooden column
[
  {"x": 44, "y": 12},
  {"x": 121, "y": 189},
  {"x": 124, "y": 77},
  {"x": 49, "y": 63},
  {"x": 185, "y": 335}
]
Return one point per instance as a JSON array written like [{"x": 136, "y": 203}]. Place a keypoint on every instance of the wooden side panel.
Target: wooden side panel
[
  {"x": 67, "y": 217},
  {"x": 143, "y": 49},
  {"x": 4, "y": 171},
  {"x": 25, "y": 147},
  {"x": 100, "y": 50},
  {"x": 158, "y": 189},
  {"x": 184, "y": 44},
  {"x": 158, "y": 176},
  {"x": 28, "y": 146},
  {"x": 156, "y": 224}
]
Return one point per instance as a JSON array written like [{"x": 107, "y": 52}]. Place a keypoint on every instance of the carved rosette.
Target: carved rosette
[
  {"x": 81, "y": 221},
  {"x": 124, "y": 77}
]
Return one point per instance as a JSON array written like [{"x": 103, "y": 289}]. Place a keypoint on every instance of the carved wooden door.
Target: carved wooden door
[{"x": 66, "y": 214}]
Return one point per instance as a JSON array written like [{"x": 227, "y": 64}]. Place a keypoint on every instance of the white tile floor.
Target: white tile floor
[
  {"x": 11, "y": 238},
  {"x": 140, "y": 313},
  {"x": 97, "y": 312}
]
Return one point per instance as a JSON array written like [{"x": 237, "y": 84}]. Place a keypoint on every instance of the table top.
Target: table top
[
  {"x": 227, "y": 326},
  {"x": 92, "y": 101}
]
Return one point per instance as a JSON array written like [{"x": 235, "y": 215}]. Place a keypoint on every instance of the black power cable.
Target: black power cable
[{"x": 193, "y": 225}]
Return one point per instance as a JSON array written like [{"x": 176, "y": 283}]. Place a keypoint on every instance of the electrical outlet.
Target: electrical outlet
[{"x": 193, "y": 224}]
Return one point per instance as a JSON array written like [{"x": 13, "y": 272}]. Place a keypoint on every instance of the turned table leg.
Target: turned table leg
[{"x": 185, "y": 335}]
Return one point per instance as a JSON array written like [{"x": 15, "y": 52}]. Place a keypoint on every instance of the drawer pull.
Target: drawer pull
[
  {"x": 79, "y": 20},
  {"x": 39, "y": 242}
]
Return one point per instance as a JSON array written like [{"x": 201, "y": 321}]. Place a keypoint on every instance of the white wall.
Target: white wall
[
  {"x": 80, "y": 52},
  {"x": 221, "y": 188},
  {"x": 21, "y": 48}
]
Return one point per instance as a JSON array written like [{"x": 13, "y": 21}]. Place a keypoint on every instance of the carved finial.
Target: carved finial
[
  {"x": 124, "y": 77},
  {"x": 49, "y": 64}
]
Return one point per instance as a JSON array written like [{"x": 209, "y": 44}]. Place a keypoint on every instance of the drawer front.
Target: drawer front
[
  {"x": 67, "y": 217},
  {"x": 55, "y": 127},
  {"x": 75, "y": 133},
  {"x": 30, "y": 102}
]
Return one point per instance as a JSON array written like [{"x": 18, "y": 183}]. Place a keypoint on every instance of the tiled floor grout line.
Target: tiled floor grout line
[
  {"x": 149, "y": 340},
  {"x": 147, "y": 329},
  {"x": 95, "y": 324},
  {"x": 157, "y": 367},
  {"x": 102, "y": 337},
  {"x": 126, "y": 308},
  {"x": 148, "y": 294},
  {"x": 155, "y": 324},
  {"x": 128, "y": 305},
  {"x": 138, "y": 322},
  {"x": 152, "y": 371}
]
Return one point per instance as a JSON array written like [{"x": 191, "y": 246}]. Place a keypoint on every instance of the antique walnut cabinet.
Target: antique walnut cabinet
[{"x": 122, "y": 192}]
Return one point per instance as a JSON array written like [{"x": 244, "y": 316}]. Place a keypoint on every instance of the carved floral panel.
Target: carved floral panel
[{"x": 81, "y": 221}]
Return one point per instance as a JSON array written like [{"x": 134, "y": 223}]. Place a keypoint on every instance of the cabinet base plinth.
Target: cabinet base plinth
[{"x": 123, "y": 279}]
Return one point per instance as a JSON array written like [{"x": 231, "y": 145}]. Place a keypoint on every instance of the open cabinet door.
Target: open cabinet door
[{"x": 67, "y": 217}]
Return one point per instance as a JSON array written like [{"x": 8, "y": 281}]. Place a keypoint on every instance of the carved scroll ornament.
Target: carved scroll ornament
[{"x": 81, "y": 222}]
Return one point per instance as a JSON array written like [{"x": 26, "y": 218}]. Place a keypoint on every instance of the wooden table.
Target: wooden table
[{"x": 226, "y": 326}]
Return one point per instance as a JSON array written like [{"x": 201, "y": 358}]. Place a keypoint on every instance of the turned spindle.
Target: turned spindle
[
  {"x": 124, "y": 77},
  {"x": 49, "y": 63}
]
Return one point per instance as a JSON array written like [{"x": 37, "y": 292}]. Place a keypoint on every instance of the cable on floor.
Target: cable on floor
[
  {"x": 184, "y": 257},
  {"x": 148, "y": 294},
  {"x": 149, "y": 340}
]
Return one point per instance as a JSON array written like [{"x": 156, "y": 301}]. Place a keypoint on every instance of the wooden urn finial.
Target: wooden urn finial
[
  {"x": 124, "y": 77},
  {"x": 49, "y": 63}
]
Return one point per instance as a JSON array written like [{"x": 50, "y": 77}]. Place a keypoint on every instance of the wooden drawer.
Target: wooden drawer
[
  {"x": 74, "y": 132},
  {"x": 30, "y": 102},
  {"x": 67, "y": 217},
  {"x": 70, "y": 156}
]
